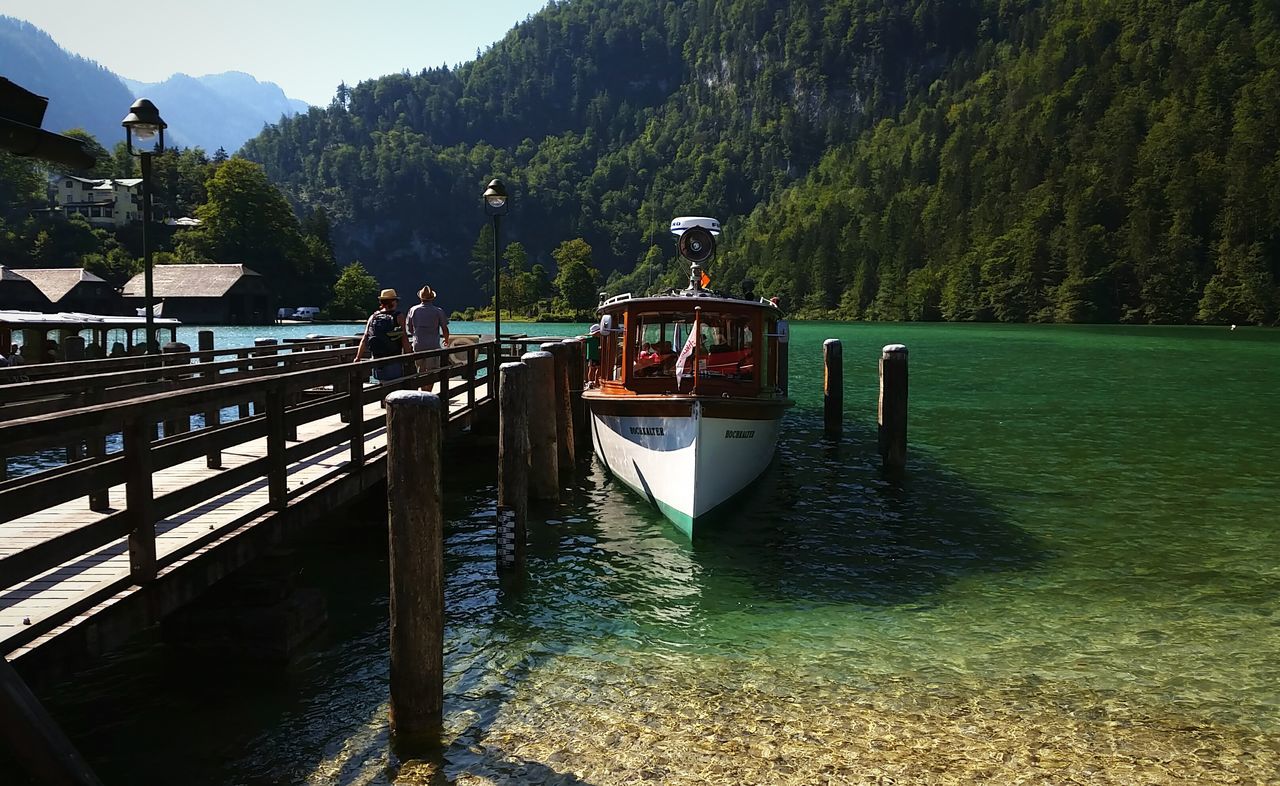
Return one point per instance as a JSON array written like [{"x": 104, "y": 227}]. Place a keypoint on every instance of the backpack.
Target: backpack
[{"x": 385, "y": 333}]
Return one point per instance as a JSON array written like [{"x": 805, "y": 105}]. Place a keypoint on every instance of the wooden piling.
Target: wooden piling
[
  {"x": 563, "y": 413},
  {"x": 832, "y": 388},
  {"x": 513, "y": 462},
  {"x": 578, "y": 409},
  {"x": 892, "y": 408},
  {"x": 416, "y": 533},
  {"x": 212, "y": 415},
  {"x": 544, "y": 456}
]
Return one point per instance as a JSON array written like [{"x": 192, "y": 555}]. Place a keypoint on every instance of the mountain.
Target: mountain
[
  {"x": 1012, "y": 160},
  {"x": 217, "y": 110},
  {"x": 82, "y": 94}
]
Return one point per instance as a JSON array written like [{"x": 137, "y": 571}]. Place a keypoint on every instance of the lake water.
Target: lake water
[{"x": 1076, "y": 581}]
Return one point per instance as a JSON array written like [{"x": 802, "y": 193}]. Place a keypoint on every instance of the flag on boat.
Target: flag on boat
[
  {"x": 705, "y": 279},
  {"x": 686, "y": 352}
]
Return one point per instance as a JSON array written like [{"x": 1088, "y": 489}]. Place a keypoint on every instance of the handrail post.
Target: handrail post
[
  {"x": 242, "y": 366},
  {"x": 471, "y": 378},
  {"x": 96, "y": 443},
  {"x": 277, "y": 465},
  {"x": 212, "y": 415},
  {"x": 444, "y": 387},
  {"x": 139, "y": 499},
  {"x": 355, "y": 415},
  {"x": 293, "y": 399}
]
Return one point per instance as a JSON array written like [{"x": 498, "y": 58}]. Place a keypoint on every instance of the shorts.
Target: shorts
[
  {"x": 389, "y": 372},
  {"x": 428, "y": 364}
]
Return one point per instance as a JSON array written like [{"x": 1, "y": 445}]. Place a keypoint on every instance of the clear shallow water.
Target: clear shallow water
[{"x": 1077, "y": 579}]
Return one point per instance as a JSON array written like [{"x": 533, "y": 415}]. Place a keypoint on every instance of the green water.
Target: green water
[{"x": 1076, "y": 580}]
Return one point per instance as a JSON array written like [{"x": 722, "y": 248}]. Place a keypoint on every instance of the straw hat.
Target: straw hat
[
  {"x": 388, "y": 294},
  {"x": 426, "y": 293}
]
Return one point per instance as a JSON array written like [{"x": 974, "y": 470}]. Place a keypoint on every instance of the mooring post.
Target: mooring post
[
  {"x": 892, "y": 409},
  {"x": 212, "y": 415},
  {"x": 416, "y": 532},
  {"x": 513, "y": 463},
  {"x": 563, "y": 412},
  {"x": 577, "y": 381},
  {"x": 544, "y": 456},
  {"x": 832, "y": 388}
]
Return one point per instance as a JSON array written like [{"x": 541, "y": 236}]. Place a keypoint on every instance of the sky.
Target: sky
[{"x": 305, "y": 46}]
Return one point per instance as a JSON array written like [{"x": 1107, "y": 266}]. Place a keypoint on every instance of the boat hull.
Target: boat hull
[{"x": 684, "y": 454}]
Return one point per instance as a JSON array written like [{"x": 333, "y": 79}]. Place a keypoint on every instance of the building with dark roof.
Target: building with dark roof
[
  {"x": 205, "y": 294},
  {"x": 18, "y": 293},
  {"x": 75, "y": 289}
]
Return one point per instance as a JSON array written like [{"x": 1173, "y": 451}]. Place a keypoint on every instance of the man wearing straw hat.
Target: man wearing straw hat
[
  {"x": 384, "y": 336},
  {"x": 426, "y": 324}
]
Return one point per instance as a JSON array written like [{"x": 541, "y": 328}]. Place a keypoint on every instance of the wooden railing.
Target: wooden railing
[
  {"x": 57, "y": 386},
  {"x": 289, "y": 398}
]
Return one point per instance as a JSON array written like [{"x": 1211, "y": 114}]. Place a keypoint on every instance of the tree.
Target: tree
[
  {"x": 104, "y": 165},
  {"x": 354, "y": 293},
  {"x": 247, "y": 220},
  {"x": 575, "y": 278},
  {"x": 482, "y": 260}
]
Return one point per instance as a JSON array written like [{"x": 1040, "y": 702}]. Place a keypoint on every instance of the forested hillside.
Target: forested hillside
[
  {"x": 968, "y": 159},
  {"x": 83, "y": 94}
]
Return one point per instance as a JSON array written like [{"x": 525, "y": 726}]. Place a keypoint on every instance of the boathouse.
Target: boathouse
[
  {"x": 19, "y": 293},
  {"x": 74, "y": 289},
  {"x": 205, "y": 294}
]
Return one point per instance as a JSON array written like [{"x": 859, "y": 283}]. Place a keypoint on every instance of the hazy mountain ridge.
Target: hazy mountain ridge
[
  {"x": 82, "y": 94},
  {"x": 211, "y": 111},
  {"x": 218, "y": 110}
]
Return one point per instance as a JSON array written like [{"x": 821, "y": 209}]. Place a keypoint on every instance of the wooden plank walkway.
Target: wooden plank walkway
[{"x": 54, "y": 592}]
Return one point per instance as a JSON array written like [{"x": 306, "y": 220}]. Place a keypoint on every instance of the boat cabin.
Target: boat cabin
[
  {"x": 49, "y": 338},
  {"x": 691, "y": 343}
]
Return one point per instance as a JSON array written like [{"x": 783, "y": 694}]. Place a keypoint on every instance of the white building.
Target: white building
[{"x": 105, "y": 202}]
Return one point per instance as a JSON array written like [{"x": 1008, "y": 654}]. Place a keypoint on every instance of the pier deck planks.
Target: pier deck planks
[{"x": 55, "y": 590}]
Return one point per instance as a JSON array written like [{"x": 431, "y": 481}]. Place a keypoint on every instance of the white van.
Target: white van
[
  {"x": 284, "y": 313},
  {"x": 306, "y": 313}
]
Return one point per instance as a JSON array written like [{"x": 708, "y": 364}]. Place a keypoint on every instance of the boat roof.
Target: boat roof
[
  {"x": 75, "y": 319},
  {"x": 685, "y": 299}
]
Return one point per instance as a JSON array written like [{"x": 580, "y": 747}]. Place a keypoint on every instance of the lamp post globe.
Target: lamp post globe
[
  {"x": 496, "y": 204},
  {"x": 144, "y": 125}
]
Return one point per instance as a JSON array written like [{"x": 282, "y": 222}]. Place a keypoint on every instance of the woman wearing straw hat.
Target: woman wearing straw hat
[
  {"x": 384, "y": 336},
  {"x": 426, "y": 324}
]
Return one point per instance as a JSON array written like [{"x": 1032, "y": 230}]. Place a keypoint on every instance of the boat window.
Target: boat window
[
  {"x": 612, "y": 346},
  {"x": 724, "y": 348}
]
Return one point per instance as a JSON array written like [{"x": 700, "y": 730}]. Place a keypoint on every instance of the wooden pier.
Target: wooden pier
[{"x": 98, "y": 548}]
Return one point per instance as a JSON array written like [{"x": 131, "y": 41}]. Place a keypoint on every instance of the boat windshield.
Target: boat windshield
[{"x": 723, "y": 348}]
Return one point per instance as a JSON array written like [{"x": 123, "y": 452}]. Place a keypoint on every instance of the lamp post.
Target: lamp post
[
  {"x": 143, "y": 124},
  {"x": 495, "y": 204}
]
